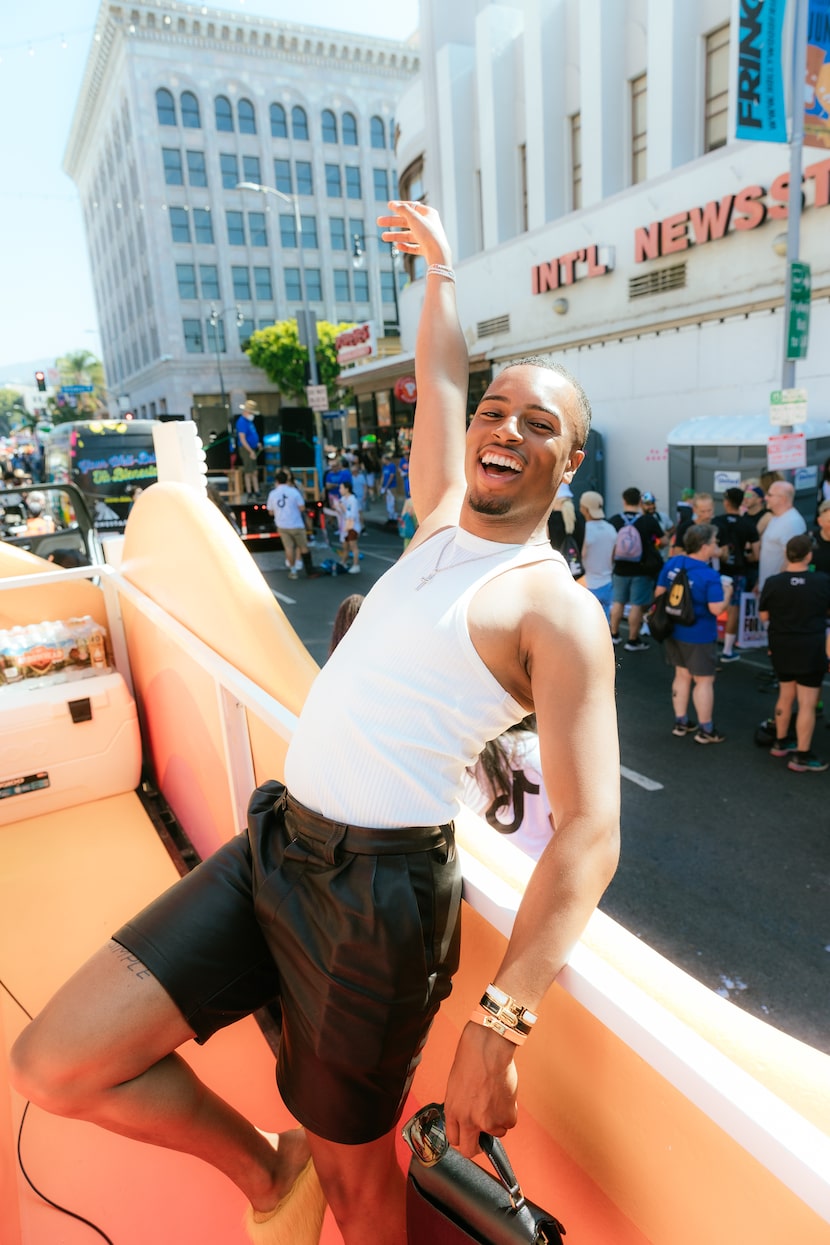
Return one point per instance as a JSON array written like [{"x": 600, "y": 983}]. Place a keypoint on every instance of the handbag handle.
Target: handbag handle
[{"x": 497, "y": 1155}]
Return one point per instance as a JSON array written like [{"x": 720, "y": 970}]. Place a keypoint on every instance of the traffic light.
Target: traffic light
[{"x": 40, "y": 380}]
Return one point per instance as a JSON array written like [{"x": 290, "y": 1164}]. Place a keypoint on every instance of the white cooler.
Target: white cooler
[{"x": 66, "y": 744}]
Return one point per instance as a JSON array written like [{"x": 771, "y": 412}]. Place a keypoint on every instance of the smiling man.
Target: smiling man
[{"x": 343, "y": 902}]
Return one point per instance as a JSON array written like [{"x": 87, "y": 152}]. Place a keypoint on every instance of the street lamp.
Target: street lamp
[
  {"x": 358, "y": 258},
  {"x": 216, "y": 313},
  {"x": 311, "y": 332}
]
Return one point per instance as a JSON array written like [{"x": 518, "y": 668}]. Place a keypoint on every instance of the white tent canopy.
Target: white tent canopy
[{"x": 738, "y": 430}]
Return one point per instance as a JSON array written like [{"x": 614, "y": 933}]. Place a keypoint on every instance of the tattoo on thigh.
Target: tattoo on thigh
[{"x": 132, "y": 962}]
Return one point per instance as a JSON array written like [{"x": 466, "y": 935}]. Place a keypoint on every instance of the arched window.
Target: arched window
[
  {"x": 247, "y": 117},
  {"x": 279, "y": 128},
  {"x": 378, "y": 132},
  {"x": 329, "y": 126},
  {"x": 349, "y": 129},
  {"x": 165, "y": 107},
  {"x": 224, "y": 115},
  {"x": 299, "y": 122},
  {"x": 190, "y": 111}
]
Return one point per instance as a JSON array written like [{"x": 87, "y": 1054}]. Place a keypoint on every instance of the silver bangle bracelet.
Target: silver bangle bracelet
[{"x": 441, "y": 270}]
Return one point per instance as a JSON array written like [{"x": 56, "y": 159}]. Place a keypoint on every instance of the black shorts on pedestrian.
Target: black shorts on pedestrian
[
  {"x": 354, "y": 932},
  {"x": 804, "y": 678},
  {"x": 701, "y": 660}
]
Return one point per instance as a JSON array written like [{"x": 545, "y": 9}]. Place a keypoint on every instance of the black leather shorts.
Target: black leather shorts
[{"x": 354, "y": 932}]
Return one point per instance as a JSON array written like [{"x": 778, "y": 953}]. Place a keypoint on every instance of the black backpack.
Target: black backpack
[{"x": 673, "y": 606}]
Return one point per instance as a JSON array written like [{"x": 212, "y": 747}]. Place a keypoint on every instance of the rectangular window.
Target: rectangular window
[
  {"x": 717, "y": 89},
  {"x": 229, "y": 168},
  {"x": 241, "y": 283},
  {"x": 262, "y": 285},
  {"x": 380, "y": 180},
  {"x": 193, "y": 341},
  {"x": 196, "y": 168},
  {"x": 186, "y": 277},
  {"x": 334, "y": 188},
  {"x": 313, "y": 285},
  {"x": 309, "y": 224},
  {"x": 361, "y": 285},
  {"x": 576, "y": 161},
  {"x": 246, "y": 328},
  {"x": 173, "y": 174},
  {"x": 638, "y": 128},
  {"x": 251, "y": 171},
  {"x": 342, "y": 291},
  {"x": 387, "y": 287},
  {"x": 203, "y": 225},
  {"x": 337, "y": 233},
  {"x": 353, "y": 190},
  {"x": 293, "y": 285},
  {"x": 282, "y": 176},
  {"x": 209, "y": 278},
  {"x": 257, "y": 231},
  {"x": 305, "y": 184},
  {"x": 288, "y": 230},
  {"x": 215, "y": 335},
  {"x": 179, "y": 224},
  {"x": 236, "y": 228},
  {"x": 355, "y": 227}
]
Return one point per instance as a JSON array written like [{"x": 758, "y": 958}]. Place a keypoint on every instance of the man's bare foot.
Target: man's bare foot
[{"x": 290, "y": 1152}]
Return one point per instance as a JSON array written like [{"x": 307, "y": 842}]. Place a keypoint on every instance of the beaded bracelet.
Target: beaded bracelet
[
  {"x": 441, "y": 270},
  {"x": 491, "y": 1022}
]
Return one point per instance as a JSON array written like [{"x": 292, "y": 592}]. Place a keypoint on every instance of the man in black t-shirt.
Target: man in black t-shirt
[
  {"x": 737, "y": 539},
  {"x": 821, "y": 539},
  {"x": 796, "y": 603},
  {"x": 633, "y": 580}
]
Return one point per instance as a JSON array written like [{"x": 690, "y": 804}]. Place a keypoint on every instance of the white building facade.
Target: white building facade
[
  {"x": 581, "y": 155},
  {"x": 179, "y": 104}
]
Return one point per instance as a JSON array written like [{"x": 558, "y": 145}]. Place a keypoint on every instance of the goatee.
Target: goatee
[{"x": 488, "y": 505}]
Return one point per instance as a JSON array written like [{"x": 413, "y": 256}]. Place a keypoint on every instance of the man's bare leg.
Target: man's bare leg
[
  {"x": 365, "y": 1188},
  {"x": 102, "y": 1050}
]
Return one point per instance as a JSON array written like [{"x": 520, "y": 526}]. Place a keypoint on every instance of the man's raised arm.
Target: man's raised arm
[{"x": 436, "y": 465}]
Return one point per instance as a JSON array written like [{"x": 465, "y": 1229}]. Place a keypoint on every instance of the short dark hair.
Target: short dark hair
[
  {"x": 282, "y": 477},
  {"x": 582, "y": 404},
  {"x": 698, "y": 535},
  {"x": 631, "y": 496},
  {"x": 799, "y": 547},
  {"x": 735, "y": 497}
]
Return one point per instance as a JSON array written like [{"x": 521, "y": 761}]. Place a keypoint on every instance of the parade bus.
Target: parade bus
[{"x": 108, "y": 459}]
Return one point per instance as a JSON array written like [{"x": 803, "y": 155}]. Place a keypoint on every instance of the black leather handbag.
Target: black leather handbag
[{"x": 450, "y": 1200}]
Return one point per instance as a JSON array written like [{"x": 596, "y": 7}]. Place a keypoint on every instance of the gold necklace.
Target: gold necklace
[{"x": 477, "y": 557}]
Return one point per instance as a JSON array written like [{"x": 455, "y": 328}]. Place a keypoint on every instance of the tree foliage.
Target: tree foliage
[
  {"x": 278, "y": 351},
  {"x": 80, "y": 367}
]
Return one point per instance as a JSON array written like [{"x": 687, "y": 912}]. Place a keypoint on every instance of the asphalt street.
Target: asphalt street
[{"x": 725, "y": 865}]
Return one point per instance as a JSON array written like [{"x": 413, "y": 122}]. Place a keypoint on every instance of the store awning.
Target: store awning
[{"x": 737, "y": 430}]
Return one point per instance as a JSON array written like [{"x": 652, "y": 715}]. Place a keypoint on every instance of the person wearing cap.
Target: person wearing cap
[
  {"x": 754, "y": 509},
  {"x": 248, "y": 443},
  {"x": 598, "y": 549},
  {"x": 648, "y": 505}
]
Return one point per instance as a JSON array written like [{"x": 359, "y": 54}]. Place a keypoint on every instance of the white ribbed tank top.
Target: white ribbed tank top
[{"x": 405, "y": 703}]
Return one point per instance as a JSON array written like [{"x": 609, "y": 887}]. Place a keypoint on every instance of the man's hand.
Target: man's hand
[
  {"x": 416, "y": 229},
  {"x": 481, "y": 1090}
]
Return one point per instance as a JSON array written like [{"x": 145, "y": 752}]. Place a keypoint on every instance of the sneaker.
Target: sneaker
[
  {"x": 616, "y": 639},
  {"x": 354, "y": 570},
  {"x": 636, "y": 646},
  {"x": 709, "y": 737},
  {"x": 806, "y": 762},
  {"x": 783, "y": 748},
  {"x": 728, "y": 657},
  {"x": 293, "y": 575},
  {"x": 681, "y": 729}
]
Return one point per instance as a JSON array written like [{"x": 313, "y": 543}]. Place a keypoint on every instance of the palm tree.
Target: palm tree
[{"x": 81, "y": 367}]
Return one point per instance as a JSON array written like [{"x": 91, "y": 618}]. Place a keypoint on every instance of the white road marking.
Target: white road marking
[{"x": 648, "y": 784}]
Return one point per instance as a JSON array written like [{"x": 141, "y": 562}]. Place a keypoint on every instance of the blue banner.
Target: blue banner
[
  {"x": 817, "y": 93},
  {"x": 760, "y": 99}
]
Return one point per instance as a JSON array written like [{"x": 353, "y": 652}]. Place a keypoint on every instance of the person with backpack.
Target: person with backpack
[
  {"x": 692, "y": 650},
  {"x": 637, "y": 563}
]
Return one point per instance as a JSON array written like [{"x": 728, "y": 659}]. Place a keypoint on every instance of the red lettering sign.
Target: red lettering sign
[
  {"x": 647, "y": 242},
  {"x": 712, "y": 220},
  {"x": 673, "y": 236}
]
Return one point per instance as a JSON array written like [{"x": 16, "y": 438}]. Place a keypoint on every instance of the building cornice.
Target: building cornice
[{"x": 216, "y": 30}]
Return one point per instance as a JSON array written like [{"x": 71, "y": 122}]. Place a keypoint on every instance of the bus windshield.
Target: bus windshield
[{"x": 109, "y": 460}]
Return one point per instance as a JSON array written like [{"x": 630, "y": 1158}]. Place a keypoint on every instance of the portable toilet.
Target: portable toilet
[{"x": 715, "y": 452}]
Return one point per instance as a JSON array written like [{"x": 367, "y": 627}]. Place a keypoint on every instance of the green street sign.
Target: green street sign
[{"x": 798, "y": 311}]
